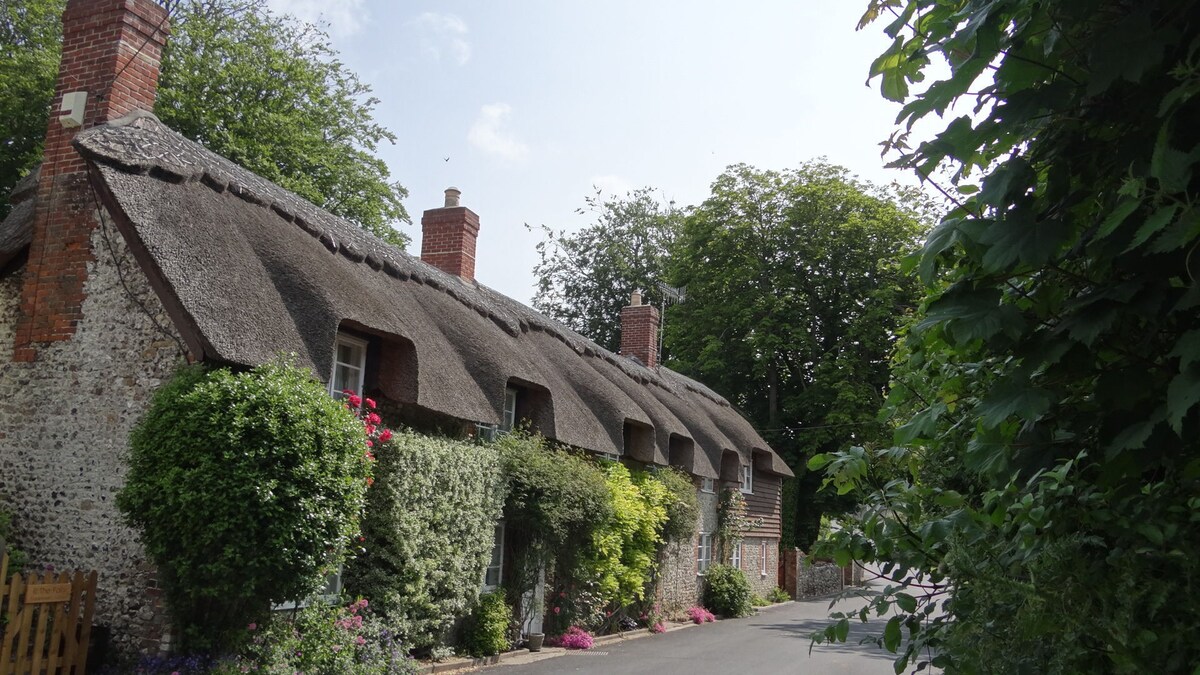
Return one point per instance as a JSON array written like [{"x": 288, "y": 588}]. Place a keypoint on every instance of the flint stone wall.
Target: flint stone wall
[
  {"x": 679, "y": 585},
  {"x": 65, "y": 420}
]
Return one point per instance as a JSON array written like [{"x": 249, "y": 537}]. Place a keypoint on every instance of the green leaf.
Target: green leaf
[
  {"x": 1182, "y": 394},
  {"x": 906, "y": 602},
  {"x": 841, "y": 630},
  {"x": 1187, "y": 349},
  {"x": 1010, "y": 398},
  {"x": 1153, "y": 224},
  {"x": 891, "y": 634},
  {"x": 1117, "y": 216}
]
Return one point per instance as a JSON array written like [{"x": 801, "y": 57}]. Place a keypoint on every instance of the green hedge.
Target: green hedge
[
  {"x": 246, "y": 488},
  {"x": 428, "y": 533}
]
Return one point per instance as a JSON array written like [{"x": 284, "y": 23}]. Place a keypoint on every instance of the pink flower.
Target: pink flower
[
  {"x": 557, "y": 610},
  {"x": 252, "y": 626},
  {"x": 385, "y": 436},
  {"x": 370, "y": 403},
  {"x": 355, "y": 400},
  {"x": 373, "y": 418},
  {"x": 370, "y": 481},
  {"x": 360, "y": 640},
  {"x": 370, "y": 445}
]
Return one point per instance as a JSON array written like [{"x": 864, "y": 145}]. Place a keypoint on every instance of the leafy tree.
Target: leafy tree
[
  {"x": 263, "y": 90},
  {"x": 585, "y": 277},
  {"x": 794, "y": 292},
  {"x": 30, "y": 34},
  {"x": 1038, "y": 513}
]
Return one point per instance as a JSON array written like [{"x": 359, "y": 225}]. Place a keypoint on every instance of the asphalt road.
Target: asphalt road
[{"x": 774, "y": 641}]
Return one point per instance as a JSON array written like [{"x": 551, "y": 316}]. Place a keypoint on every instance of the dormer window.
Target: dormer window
[
  {"x": 747, "y": 479},
  {"x": 509, "y": 421},
  {"x": 349, "y": 365}
]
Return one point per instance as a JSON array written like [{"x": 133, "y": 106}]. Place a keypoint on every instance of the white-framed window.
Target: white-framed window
[
  {"x": 510, "y": 409},
  {"x": 703, "y": 553},
  {"x": 735, "y": 559},
  {"x": 747, "y": 479},
  {"x": 708, "y": 485},
  {"x": 495, "y": 569},
  {"x": 762, "y": 557},
  {"x": 329, "y": 594},
  {"x": 349, "y": 365}
]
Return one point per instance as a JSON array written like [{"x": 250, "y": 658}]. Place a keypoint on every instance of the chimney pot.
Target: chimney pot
[
  {"x": 452, "y": 195},
  {"x": 635, "y": 298}
]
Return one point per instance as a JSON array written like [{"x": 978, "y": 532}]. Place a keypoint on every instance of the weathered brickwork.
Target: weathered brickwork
[
  {"x": 64, "y": 425},
  {"x": 448, "y": 240},
  {"x": 679, "y": 585},
  {"x": 111, "y": 50},
  {"x": 639, "y": 332}
]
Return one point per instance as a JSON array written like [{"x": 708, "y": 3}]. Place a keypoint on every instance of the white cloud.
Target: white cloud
[
  {"x": 616, "y": 186},
  {"x": 342, "y": 17},
  {"x": 443, "y": 33},
  {"x": 488, "y": 134}
]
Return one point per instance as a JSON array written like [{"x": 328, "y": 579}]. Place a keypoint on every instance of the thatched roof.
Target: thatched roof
[
  {"x": 249, "y": 270},
  {"x": 16, "y": 231}
]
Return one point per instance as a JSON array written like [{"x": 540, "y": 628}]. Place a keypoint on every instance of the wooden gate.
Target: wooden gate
[{"x": 45, "y": 621}]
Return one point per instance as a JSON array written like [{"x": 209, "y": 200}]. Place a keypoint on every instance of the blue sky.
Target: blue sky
[{"x": 536, "y": 102}]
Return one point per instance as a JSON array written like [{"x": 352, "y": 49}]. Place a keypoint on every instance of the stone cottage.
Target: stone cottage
[{"x": 133, "y": 249}]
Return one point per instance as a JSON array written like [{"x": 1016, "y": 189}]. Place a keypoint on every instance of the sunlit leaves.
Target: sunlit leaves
[{"x": 1049, "y": 395}]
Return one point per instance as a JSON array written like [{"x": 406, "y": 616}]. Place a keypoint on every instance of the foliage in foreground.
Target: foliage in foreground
[
  {"x": 246, "y": 489},
  {"x": 262, "y": 90},
  {"x": 727, "y": 592},
  {"x": 1040, "y": 512},
  {"x": 428, "y": 533}
]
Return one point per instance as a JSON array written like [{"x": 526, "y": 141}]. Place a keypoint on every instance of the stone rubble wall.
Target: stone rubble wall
[
  {"x": 679, "y": 585},
  {"x": 760, "y": 583},
  {"x": 65, "y": 420}
]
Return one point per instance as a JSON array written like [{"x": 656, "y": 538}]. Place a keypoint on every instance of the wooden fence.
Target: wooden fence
[{"x": 45, "y": 621}]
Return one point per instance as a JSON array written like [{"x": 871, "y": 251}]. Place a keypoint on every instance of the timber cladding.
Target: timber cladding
[
  {"x": 764, "y": 503},
  {"x": 47, "y": 621}
]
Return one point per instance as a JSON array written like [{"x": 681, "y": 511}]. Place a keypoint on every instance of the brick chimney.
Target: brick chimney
[
  {"x": 110, "y": 60},
  {"x": 639, "y": 331},
  {"x": 448, "y": 237}
]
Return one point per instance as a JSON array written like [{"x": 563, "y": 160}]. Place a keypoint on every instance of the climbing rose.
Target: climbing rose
[{"x": 370, "y": 403}]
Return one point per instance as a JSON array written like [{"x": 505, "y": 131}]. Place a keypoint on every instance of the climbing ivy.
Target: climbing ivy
[{"x": 1038, "y": 512}]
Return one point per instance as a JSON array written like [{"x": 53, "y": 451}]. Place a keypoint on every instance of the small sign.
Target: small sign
[{"x": 43, "y": 593}]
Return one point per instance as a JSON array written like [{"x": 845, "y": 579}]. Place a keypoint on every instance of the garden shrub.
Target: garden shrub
[
  {"x": 624, "y": 549},
  {"x": 700, "y": 615},
  {"x": 428, "y": 533},
  {"x": 486, "y": 629},
  {"x": 575, "y": 638},
  {"x": 683, "y": 509},
  {"x": 246, "y": 488},
  {"x": 555, "y": 500},
  {"x": 323, "y": 640},
  {"x": 726, "y": 591},
  {"x": 757, "y": 600},
  {"x": 777, "y": 595}
]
